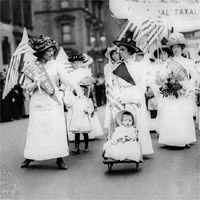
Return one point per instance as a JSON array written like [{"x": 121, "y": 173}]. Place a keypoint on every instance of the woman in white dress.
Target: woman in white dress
[
  {"x": 176, "y": 121},
  {"x": 130, "y": 88},
  {"x": 161, "y": 55},
  {"x": 46, "y": 135}
]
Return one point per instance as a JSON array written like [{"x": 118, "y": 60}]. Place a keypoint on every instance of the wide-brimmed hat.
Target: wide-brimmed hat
[
  {"x": 176, "y": 39},
  {"x": 42, "y": 43},
  {"x": 120, "y": 114},
  {"x": 84, "y": 59},
  {"x": 162, "y": 48},
  {"x": 127, "y": 41}
]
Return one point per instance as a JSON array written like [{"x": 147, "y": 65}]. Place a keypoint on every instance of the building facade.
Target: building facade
[
  {"x": 78, "y": 27},
  {"x": 15, "y": 15}
]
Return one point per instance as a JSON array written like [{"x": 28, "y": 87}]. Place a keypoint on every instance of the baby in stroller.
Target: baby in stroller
[{"x": 124, "y": 144}]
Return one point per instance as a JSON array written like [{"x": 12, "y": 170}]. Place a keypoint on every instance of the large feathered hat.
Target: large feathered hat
[{"x": 42, "y": 43}]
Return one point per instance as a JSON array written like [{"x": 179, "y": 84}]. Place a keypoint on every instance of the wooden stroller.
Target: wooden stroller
[{"x": 111, "y": 160}]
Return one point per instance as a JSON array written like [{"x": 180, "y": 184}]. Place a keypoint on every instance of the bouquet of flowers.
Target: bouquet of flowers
[{"x": 171, "y": 87}]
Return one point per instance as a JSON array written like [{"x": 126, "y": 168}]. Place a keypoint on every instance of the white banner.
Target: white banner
[{"x": 169, "y": 10}]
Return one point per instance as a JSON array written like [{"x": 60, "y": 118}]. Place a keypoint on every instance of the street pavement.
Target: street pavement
[{"x": 169, "y": 173}]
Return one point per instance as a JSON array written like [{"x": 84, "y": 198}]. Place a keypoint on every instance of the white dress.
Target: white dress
[
  {"x": 176, "y": 119},
  {"x": 128, "y": 93},
  {"x": 77, "y": 75},
  {"x": 120, "y": 148},
  {"x": 46, "y": 135},
  {"x": 79, "y": 121}
]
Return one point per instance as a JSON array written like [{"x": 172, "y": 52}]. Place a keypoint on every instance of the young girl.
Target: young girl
[
  {"x": 124, "y": 144},
  {"x": 80, "y": 109},
  {"x": 82, "y": 71}
]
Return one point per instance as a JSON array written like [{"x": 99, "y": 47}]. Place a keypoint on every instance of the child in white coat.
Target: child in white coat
[{"x": 80, "y": 109}]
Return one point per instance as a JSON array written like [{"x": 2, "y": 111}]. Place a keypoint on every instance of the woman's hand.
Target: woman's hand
[{"x": 37, "y": 79}]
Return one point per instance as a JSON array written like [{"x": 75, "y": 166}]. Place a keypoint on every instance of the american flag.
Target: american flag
[
  {"x": 16, "y": 64},
  {"x": 146, "y": 26},
  {"x": 147, "y": 32},
  {"x": 115, "y": 105},
  {"x": 129, "y": 27},
  {"x": 154, "y": 33}
]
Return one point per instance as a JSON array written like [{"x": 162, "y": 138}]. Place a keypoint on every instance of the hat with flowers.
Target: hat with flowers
[{"x": 42, "y": 43}]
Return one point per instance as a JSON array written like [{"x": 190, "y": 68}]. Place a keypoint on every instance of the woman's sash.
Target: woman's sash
[
  {"x": 179, "y": 72},
  {"x": 32, "y": 69}
]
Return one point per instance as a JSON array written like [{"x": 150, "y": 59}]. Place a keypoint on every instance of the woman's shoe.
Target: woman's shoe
[
  {"x": 61, "y": 164},
  {"x": 76, "y": 151},
  {"x": 26, "y": 163}
]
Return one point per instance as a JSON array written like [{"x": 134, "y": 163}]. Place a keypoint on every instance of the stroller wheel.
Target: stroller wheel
[
  {"x": 137, "y": 166},
  {"x": 110, "y": 167}
]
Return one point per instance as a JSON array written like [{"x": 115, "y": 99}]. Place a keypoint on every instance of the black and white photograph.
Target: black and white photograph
[{"x": 100, "y": 99}]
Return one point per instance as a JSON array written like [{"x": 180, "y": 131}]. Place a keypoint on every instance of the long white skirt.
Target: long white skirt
[
  {"x": 46, "y": 136},
  {"x": 176, "y": 122}
]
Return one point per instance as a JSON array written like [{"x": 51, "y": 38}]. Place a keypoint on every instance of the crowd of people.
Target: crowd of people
[
  {"x": 63, "y": 104},
  {"x": 167, "y": 84},
  {"x": 15, "y": 105}
]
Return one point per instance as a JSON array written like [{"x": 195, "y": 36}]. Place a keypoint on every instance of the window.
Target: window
[
  {"x": 99, "y": 10},
  {"x": 93, "y": 8},
  {"x": 27, "y": 13},
  {"x": 66, "y": 33},
  {"x": 6, "y": 51},
  {"x": 64, "y": 3},
  {"x": 17, "y": 12},
  {"x": 5, "y": 11},
  {"x": 86, "y": 4},
  {"x": 88, "y": 30}
]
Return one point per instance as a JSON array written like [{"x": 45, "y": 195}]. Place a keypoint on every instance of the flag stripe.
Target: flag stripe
[
  {"x": 153, "y": 37},
  {"x": 127, "y": 26},
  {"x": 116, "y": 106}
]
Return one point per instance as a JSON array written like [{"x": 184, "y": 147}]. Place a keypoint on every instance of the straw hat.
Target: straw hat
[
  {"x": 42, "y": 43},
  {"x": 176, "y": 39}
]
